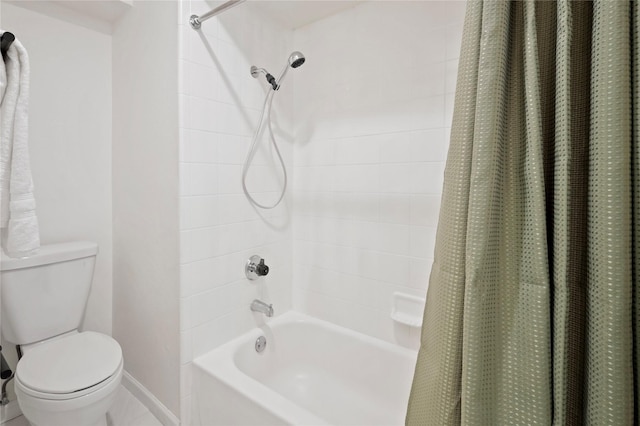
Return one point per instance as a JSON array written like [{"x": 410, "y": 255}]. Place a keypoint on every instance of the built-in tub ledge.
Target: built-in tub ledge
[
  {"x": 407, "y": 309},
  {"x": 310, "y": 372}
]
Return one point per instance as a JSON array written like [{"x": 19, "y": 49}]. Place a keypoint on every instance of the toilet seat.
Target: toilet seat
[{"x": 70, "y": 367}]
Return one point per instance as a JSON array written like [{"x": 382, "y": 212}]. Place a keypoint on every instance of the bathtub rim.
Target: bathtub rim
[{"x": 220, "y": 364}]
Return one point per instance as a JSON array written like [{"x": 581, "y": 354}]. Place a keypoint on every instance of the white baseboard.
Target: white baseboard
[
  {"x": 10, "y": 411},
  {"x": 157, "y": 408}
]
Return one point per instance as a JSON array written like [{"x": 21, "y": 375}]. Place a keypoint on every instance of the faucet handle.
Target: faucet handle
[
  {"x": 255, "y": 268},
  {"x": 261, "y": 268}
]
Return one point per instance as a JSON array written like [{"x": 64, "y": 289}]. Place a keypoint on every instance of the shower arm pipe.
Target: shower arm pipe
[{"x": 197, "y": 20}]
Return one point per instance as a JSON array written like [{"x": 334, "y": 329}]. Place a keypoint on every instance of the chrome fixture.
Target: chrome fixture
[
  {"x": 197, "y": 20},
  {"x": 255, "y": 72},
  {"x": 295, "y": 60},
  {"x": 260, "y": 306},
  {"x": 261, "y": 343},
  {"x": 255, "y": 268}
]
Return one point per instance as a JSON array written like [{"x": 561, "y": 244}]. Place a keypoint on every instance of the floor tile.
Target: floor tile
[{"x": 126, "y": 411}]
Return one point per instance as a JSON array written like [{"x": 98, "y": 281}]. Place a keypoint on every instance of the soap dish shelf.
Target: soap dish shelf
[{"x": 407, "y": 309}]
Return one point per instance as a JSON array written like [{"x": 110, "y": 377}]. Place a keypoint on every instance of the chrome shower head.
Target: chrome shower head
[{"x": 296, "y": 59}]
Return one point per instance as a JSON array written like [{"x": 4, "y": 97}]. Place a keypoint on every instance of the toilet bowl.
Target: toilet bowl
[
  {"x": 64, "y": 377},
  {"x": 71, "y": 380}
]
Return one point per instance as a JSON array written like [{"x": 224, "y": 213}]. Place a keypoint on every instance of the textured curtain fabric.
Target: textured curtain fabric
[{"x": 531, "y": 309}]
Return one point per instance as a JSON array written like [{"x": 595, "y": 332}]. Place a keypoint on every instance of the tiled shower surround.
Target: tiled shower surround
[
  {"x": 220, "y": 104},
  {"x": 363, "y": 127},
  {"x": 372, "y": 117}
]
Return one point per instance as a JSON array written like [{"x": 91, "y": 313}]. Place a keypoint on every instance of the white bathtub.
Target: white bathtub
[{"x": 311, "y": 372}]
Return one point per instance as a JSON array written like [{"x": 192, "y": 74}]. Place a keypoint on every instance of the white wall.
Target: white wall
[
  {"x": 69, "y": 143},
  {"x": 363, "y": 127},
  {"x": 145, "y": 196},
  {"x": 372, "y": 116},
  {"x": 369, "y": 119},
  {"x": 220, "y": 106},
  {"x": 70, "y": 139},
  {"x": 71, "y": 150}
]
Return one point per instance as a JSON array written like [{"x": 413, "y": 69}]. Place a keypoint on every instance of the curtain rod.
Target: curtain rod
[{"x": 196, "y": 21}]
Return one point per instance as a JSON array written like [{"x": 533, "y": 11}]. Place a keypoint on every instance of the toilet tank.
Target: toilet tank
[{"x": 46, "y": 294}]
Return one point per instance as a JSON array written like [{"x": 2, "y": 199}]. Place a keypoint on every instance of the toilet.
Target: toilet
[{"x": 65, "y": 377}]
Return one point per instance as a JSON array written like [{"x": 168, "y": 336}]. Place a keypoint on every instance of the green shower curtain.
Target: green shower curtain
[{"x": 531, "y": 314}]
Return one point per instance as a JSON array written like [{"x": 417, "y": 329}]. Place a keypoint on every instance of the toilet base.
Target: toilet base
[{"x": 87, "y": 410}]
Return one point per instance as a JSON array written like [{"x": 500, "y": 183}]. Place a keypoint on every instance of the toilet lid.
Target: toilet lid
[{"x": 70, "y": 364}]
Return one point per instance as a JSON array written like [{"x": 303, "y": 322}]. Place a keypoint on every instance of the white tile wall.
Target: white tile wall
[
  {"x": 369, "y": 113},
  {"x": 373, "y": 107},
  {"x": 220, "y": 107}
]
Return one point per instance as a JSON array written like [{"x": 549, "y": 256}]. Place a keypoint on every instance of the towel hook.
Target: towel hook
[{"x": 5, "y": 42}]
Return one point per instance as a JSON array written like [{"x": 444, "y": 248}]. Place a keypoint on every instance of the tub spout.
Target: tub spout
[{"x": 260, "y": 306}]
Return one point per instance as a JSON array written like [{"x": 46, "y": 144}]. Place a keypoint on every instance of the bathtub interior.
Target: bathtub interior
[{"x": 338, "y": 375}]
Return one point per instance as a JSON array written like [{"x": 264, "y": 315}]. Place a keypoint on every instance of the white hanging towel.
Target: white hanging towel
[{"x": 20, "y": 232}]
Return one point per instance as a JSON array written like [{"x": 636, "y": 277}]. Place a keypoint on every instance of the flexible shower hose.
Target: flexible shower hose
[{"x": 266, "y": 110}]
